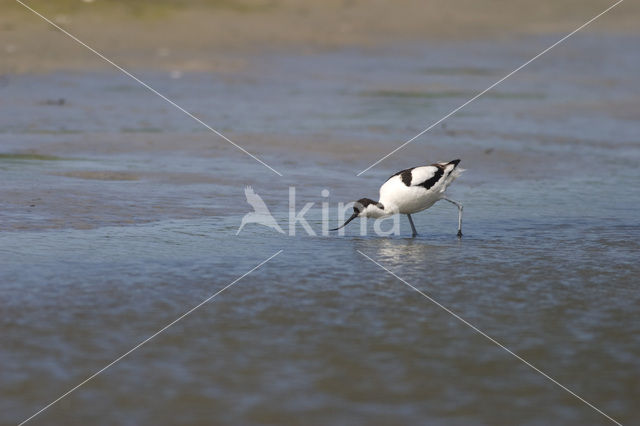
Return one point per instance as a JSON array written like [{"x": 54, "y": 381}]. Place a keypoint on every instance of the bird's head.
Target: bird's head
[{"x": 364, "y": 207}]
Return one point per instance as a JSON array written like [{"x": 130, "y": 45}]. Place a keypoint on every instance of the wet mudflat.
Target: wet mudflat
[{"x": 118, "y": 214}]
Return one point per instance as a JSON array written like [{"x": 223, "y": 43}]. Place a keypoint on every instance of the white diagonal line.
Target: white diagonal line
[
  {"x": 147, "y": 339},
  {"x": 476, "y": 329},
  {"x": 492, "y": 86},
  {"x": 151, "y": 89}
]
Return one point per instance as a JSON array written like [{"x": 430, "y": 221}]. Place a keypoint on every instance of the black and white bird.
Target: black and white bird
[{"x": 411, "y": 191}]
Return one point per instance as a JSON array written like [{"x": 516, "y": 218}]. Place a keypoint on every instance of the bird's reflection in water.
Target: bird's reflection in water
[{"x": 398, "y": 252}]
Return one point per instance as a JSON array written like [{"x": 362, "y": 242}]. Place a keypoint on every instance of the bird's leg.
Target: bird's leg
[
  {"x": 413, "y": 228},
  {"x": 459, "y": 215}
]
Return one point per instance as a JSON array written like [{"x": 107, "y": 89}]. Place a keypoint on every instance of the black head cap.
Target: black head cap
[
  {"x": 358, "y": 207},
  {"x": 362, "y": 204}
]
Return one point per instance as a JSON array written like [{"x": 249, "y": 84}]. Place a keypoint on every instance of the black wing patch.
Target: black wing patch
[
  {"x": 427, "y": 184},
  {"x": 405, "y": 175}
]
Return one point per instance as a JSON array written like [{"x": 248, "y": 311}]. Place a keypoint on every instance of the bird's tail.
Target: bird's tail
[{"x": 456, "y": 172}]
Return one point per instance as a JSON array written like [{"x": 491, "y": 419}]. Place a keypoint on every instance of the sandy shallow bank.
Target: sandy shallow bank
[{"x": 214, "y": 36}]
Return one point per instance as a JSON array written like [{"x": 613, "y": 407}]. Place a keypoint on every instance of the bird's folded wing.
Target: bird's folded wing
[{"x": 422, "y": 174}]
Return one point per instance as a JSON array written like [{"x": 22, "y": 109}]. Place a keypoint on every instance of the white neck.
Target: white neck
[{"x": 372, "y": 210}]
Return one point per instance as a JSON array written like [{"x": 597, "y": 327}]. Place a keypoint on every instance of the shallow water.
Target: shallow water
[{"x": 119, "y": 215}]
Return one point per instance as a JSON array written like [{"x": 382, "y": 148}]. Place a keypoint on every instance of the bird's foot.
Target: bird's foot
[
  {"x": 459, "y": 233},
  {"x": 413, "y": 235}
]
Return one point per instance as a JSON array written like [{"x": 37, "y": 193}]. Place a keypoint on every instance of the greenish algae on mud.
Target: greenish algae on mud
[{"x": 38, "y": 157}]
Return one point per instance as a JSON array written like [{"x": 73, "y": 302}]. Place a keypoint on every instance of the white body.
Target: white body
[{"x": 406, "y": 192}]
